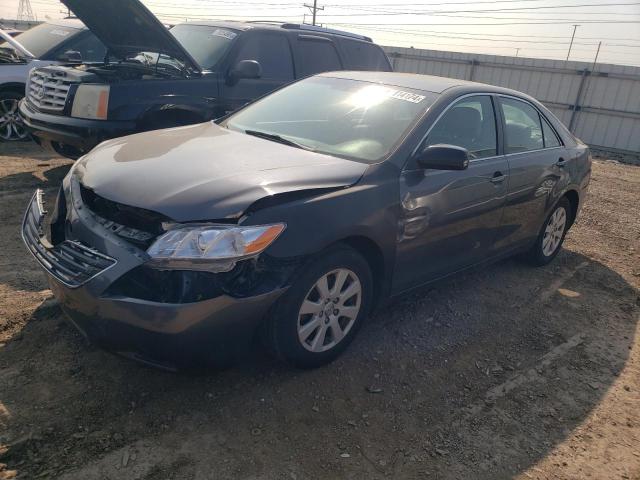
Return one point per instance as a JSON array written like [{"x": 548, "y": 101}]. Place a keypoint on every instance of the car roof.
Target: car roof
[
  {"x": 68, "y": 22},
  {"x": 279, "y": 26},
  {"x": 429, "y": 83}
]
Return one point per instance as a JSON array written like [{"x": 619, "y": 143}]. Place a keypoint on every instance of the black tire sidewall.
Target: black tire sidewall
[
  {"x": 284, "y": 317},
  {"x": 536, "y": 255}
]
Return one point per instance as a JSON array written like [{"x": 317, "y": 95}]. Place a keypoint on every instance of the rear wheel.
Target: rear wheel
[
  {"x": 11, "y": 125},
  {"x": 318, "y": 317},
  {"x": 551, "y": 235}
]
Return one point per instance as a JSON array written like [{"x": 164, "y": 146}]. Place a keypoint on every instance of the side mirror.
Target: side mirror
[
  {"x": 71, "y": 56},
  {"x": 444, "y": 157},
  {"x": 245, "y": 69}
]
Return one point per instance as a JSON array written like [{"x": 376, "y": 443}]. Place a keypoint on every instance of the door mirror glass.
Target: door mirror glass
[
  {"x": 245, "y": 69},
  {"x": 444, "y": 157},
  {"x": 72, "y": 56}
]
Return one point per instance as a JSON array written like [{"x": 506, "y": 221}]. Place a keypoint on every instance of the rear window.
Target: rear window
[
  {"x": 44, "y": 37},
  {"x": 316, "y": 56},
  {"x": 272, "y": 52},
  {"x": 365, "y": 56}
]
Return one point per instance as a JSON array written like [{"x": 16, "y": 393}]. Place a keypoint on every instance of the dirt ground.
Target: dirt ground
[{"x": 511, "y": 372}]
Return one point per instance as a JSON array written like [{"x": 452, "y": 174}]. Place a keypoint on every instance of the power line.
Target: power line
[
  {"x": 513, "y": 10},
  {"x": 428, "y": 33},
  {"x": 494, "y": 24},
  {"x": 422, "y": 32}
]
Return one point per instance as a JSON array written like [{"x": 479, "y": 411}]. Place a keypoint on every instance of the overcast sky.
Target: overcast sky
[{"x": 538, "y": 28}]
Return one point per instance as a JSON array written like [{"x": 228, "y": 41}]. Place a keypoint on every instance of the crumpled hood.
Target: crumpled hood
[{"x": 205, "y": 172}]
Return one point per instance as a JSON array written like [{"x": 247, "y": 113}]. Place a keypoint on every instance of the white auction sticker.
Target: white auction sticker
[
  {"x": 62, "y": 33},
  {"x": 408, "y": 96},
  {"x": 218, "y": 32}
]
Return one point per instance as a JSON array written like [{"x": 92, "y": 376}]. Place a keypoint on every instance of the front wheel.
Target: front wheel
[
  {"x": 11, "y": 125},
  {"x": 318, "y": 317},
  {"x": 551, "y": 235}
]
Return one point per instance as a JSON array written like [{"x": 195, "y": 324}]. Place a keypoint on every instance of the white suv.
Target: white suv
[{"x": 54, "y": 42}]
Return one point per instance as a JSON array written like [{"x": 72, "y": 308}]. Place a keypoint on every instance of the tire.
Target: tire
[
  {"x": 551, "y": 236},
  {"x": 12, "y": 128},
  {"x": 308, "y": 339}
]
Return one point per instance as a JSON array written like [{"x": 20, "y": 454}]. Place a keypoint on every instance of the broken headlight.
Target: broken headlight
[{"x": 211, "y": 247}]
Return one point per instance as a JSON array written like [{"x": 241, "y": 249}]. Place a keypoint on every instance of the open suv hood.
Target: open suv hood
[
  {"x": 205, "y": 172},
  {"x": 127, "y": 27}
]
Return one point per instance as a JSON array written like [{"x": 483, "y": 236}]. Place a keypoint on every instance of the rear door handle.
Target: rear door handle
[
  {"x": 561, "y": 162},
  {"x": 498, "y": 177}
]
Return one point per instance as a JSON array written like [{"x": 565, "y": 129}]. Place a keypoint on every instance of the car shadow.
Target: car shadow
[
  {"x": 478, "y": 376},
  {"x": 26, "y": 149}
]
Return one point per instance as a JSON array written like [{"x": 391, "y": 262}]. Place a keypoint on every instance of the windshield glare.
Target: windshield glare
[
  {"x": 348, "y": 118},
  {"x": 43, "y": 38},
  {"x": 205, "y": 44}
]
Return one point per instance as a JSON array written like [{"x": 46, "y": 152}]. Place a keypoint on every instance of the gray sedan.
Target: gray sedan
[{"x": 295, "y": 216}]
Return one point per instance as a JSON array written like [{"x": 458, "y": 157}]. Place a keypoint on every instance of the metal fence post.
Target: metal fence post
[
  {"x": 576, "y": 105},
  {"x": 473, "y": 68}
]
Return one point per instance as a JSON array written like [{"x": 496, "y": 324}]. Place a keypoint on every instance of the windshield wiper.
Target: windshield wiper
[{"x": 277, "y": 138}]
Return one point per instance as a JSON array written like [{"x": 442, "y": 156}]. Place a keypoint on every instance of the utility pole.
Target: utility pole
[
  {"x": 595, "y": 60},
  {"x": 575, "y": 27},
  {"x": 314, "y": 8}
]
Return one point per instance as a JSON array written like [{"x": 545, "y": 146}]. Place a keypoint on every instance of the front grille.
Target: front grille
[
  {"x": 133, "y": 224},
  {"x": 48, "y": 88},
  {"x": 71, "y": 262}
]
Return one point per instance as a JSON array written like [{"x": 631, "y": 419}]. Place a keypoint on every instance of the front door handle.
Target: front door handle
[
  {"x": 498, "y": 177},
  {"x": 561, "y": 162}
]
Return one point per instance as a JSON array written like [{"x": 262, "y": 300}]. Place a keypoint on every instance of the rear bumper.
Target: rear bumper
[
  {"x": 79, "y": 133},
  {"x": 215, "y": 330}
]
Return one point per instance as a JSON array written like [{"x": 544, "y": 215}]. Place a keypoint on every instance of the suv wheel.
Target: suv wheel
[
  {"x": 551, "y": 235},
  {"x": 318, "y": 317},
  {"x": 11, "y": 126}
]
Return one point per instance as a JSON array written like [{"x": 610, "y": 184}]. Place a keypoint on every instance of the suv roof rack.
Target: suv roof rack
[
  {"x": 269, "y": 22},
  {"x": 315, "y": 28}
]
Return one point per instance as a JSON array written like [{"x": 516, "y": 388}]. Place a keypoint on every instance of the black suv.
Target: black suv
[{"x": 155, "y": 78}]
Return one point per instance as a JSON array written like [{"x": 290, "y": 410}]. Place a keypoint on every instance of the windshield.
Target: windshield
[
  {"x": 158, "y": 61},
  {"x": 347, "y": 118},
  {"x": 205, "y": 44},
  {"x": 43, "y": 38}
]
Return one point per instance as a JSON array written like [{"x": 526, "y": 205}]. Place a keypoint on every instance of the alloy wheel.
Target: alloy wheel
[
  {"x": 554, "y": 231},
  {"x": 11, "y": 125},
  {"x": 329, "y": 310}
]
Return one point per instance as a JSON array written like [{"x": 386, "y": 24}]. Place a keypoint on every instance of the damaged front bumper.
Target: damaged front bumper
[{"x": 88, "y": 273}]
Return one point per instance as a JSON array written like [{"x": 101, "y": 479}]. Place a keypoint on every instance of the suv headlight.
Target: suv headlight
[
  {"x": 91, "y": 101},
  {"x": 211, "y": 247}
]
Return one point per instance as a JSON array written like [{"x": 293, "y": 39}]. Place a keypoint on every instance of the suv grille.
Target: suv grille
[
  {"x": 48, "y": 88},
  {"x": 133, "y": 224}
]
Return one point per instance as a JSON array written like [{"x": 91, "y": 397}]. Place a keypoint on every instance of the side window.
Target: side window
[
  {"x": 523, "y": 130},
  {"x": 470, "y": 123},
  {"x": 272, "y": 52},
  {"x": 316, "y": 56},
  {"x": 550, "y": 136},
  {"x": 365, "y": 56},
  {"x": 91, "y": 49}
]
